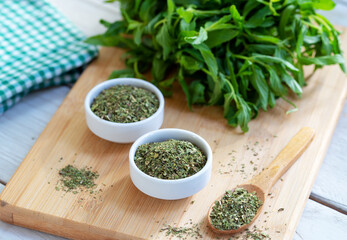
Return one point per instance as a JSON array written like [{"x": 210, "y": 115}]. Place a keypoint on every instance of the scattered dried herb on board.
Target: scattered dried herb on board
[
  {"x": 170, "y": 159},
  {"x": 76, "y": 180},
  {"x": 235, "y": 209},
  {"x": 183, "y": 232},
  {"x": 125, "y": 104},
  {"x": 257, "y": 235}
]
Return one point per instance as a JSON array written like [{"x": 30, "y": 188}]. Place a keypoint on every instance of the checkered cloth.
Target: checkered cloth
[{"x": 39, "y": 48}]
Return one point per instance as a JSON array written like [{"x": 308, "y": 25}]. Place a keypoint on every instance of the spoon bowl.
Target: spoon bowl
[
  {"x": 262, "y": 183},
  {"x": 250, "y": 188}
]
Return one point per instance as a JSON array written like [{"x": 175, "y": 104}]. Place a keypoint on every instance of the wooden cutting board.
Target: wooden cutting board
[{"x": 120, "y": 211}]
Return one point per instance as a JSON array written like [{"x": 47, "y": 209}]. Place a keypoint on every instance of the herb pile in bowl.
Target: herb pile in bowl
[
  {"x": 239, "y": 54},
  {"x": 125, "y": 104},
  {"x": 170, "y": 159}
]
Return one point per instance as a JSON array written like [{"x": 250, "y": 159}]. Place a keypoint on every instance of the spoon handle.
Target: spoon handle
[{"x": 284, "y": 160}]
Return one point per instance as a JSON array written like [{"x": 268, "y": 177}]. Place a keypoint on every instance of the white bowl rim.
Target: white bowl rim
[
  {"x": 169, "y": 130},
  {"x": 115, "y": 81}
]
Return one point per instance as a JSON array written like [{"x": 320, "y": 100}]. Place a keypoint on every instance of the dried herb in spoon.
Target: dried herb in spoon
[
  {"x": 125, "y": 104},
  {"x": 235, "y": 209},
  {"x": 171, "y": 159}
]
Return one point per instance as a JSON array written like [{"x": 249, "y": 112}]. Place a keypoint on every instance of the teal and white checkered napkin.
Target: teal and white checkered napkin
[{"x": 39, "y": 48}]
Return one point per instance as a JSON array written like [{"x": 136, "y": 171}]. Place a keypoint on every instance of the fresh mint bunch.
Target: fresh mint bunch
[{"x": 242, "y": 54}]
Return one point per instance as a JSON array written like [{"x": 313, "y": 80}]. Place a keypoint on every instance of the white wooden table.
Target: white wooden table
[{"x": 324, "y": 216}]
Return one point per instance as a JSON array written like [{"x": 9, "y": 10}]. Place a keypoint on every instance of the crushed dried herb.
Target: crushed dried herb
[
  {"x": 171, "y": 159},
  {"x": 125, "y": 104},
  {"x": 183, "y": 232},
  {"x": 257, "y": 235},
  {"x": 74, "y": 179},
  {"x": 235, "y": 209}
]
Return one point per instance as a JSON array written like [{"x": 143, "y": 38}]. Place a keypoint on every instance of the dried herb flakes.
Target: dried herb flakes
[
  {"x": 257, "y": 235},
  {"x": 183, "y": 232},
  {"x": 74, "y": 179},
  {"x": 171, "y": 159},
  {"x": 235, "y": 209},
  {"x": 125, "y": 104}
]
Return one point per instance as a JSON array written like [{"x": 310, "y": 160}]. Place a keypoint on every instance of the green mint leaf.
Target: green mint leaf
[
  {"x": 258, "y": 81},
  {"x": 124, "y": 73},
  {"x": 270, "y": 59},
  {"x": 190, "y": 64},
  {"x": 324, "y": 60},
  {"x": 323, "y": 4},
  {"x": 165, "y": 41},
  {"x": 258, "y": 18},
  {"x": 197, "y": 91},
  {"x": 209, "y": 58},
  {"x": 291, "y": 82},
  {"x": 185, "y": 87},
  {"x": 196, "y": 39},
  {"x": 159, "y": 67},
  {"x": 185, "y": 14},
  {"x": 218, "y": 37}
]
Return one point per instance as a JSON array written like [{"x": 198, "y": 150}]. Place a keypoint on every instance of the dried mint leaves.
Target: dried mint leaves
[
  {"x": 125, "y": 104},
  {"x": 171, "y": 159},
  {"x": 235, "y": 209}
]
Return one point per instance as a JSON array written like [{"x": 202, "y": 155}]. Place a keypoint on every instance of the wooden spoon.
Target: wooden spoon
[{"x": 262, "y": 183}]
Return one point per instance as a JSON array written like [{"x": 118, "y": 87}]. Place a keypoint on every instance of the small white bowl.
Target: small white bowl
[
  {"x": 171, "y": 189},
  {"x": 123, "y": 132}
]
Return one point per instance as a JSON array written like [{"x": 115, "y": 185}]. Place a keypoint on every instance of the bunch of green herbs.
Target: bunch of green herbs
[
  {"x": 170, "y": 159},
  {"x": 242, "y": 54},
  {"x": 125, "y": 104},
  {"x": 235, "y": 209}
]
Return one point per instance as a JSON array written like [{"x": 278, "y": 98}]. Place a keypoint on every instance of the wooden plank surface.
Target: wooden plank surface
[
  {"x": 334, "y": 169},
  {"x": 11, "y": 232},
  {"x": 41, "y": 105},
  {"x": 121, "y": 211},
  {"x": 328, "y": 223}
]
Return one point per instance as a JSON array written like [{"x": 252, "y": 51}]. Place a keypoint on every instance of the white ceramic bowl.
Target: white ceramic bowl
[
  {"x": 123, "y": 132},
  {"x": 171, "y": 189}
]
